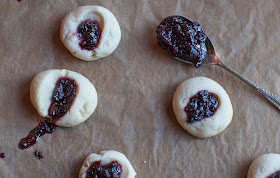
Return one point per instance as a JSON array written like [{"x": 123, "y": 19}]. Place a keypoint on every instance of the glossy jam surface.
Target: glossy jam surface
[
  {"x": 31, "y": 139},
  {"x": 62, "y": 99},
  {"x": 89, "y": 34},
  {"x": 2, "y": 155},
  {"x": 38, "y": 154},
  {"x": 200, "y": 106},
  {"x": 112, "y": 170},
  {"x": 182, "y": 39},
  {"x": 275, "y": 175}
]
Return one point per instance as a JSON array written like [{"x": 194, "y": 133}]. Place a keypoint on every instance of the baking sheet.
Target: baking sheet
[{"x": 135, "y": 86}]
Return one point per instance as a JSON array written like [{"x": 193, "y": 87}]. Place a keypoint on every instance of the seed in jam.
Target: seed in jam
[
  {"x": 38, "y": 154},
  {"x": 89, "y": 34},
  {"x": 275, "y": 175},
  {"x": 183, "y": 39},
  {"x": 43, "y": 128},
  {"x": 112, "y": 170},
  {"x": 200, "y": 106},
  {"x": 63, "y": 97},
  {"x": 2, "y": 155}
]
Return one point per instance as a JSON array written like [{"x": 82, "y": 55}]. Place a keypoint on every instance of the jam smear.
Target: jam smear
[
  {"x": 38, "y": 154},
  {"x": 43, "y": 128},
  {"x": 275, "y": 175},
  {"x": 201, "y": 105},
  {"x": 112, "y": 170},
  {"x": 89, "y": 33},
  {"x": 183, "y": 39},
  {"x": 62, "y": 99},
  {"x": 2, "y": 155}
]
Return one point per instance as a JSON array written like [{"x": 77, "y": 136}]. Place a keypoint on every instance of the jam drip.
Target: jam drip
[
  {"x": 38, "y": 154},
  {"x": 2, "y": 155},
  {"x": 43, "y": 128},
  {"x": 112, "y": 170},
  {"x": 275, "y": 175},
  {"x": 200, "y": 106},
  {"x": 183, "y": 39},
  {"x": 63, "y": 97},
  {"x": 89, "y": 33}
]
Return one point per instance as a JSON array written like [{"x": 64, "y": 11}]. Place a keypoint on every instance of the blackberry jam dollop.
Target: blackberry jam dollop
[
  {"x": 200, "y": 106},
  {"x": 89, "y": 34},
  {"x": 275, "y": 175},
  {"x": 62, "y": 99},
  {"x": 183, "y": 39},
  {"x": 110, "y": 170}
]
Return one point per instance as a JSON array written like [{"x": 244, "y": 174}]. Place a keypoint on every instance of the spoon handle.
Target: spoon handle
[{"x": 271, "y": 97}]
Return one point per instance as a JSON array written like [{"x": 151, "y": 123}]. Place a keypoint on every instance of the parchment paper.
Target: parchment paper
[{"x": 135, "y": 86}]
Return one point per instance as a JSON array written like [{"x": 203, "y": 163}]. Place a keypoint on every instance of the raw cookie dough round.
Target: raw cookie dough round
[
  {"x": 209, "y": 126},
  {"x": 107, "y": 26},
  {"x": 42, "y": 90},
  {"x": 264, "y": 166},
  {"x": 106, "y": 157}
]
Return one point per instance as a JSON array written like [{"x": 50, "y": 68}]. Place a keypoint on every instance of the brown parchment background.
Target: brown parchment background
[{"x": 135, "y": 86}]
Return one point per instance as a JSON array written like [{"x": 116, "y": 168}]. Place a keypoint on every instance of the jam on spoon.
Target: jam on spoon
[
  {"x": 183, "y": 39},
  {"x": 168, "y": 40},
  {"x": 62, "y": 99}
]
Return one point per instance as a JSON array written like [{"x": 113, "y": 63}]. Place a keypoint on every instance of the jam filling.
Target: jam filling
[
  {"x": 275, "y": 175},
  {"x": 182, "y": 39},
  {"x": 62, "y": 99},
  {"x": 38, "y": 154},
  {"x": 89, "y": 34},
  {"x": 2, "y": 155},
  {"x": 112, "y": 170},
  {"x": 201, "y": 106}
]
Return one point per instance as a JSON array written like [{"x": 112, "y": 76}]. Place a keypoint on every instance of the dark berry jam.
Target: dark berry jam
[
  {"x": 112, "y": 170},
  {"x": 2, "y": 155},
  {"x": 63, "y": 97},
  {"x": 43, "y": 128},
  {"x": 183, "y": 39},
  {"x": 38, "y": 154},
  {"x": 89, "y": 33},
  {"x": 201, "y": 105},
  {"x": 275, "y": 175}
]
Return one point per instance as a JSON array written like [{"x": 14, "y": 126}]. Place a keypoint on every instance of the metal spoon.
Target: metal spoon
[{"x": 211, "y": 58}]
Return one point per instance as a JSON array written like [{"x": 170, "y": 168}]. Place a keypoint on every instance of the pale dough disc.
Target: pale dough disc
[
  {"x": 209, "y": 126},
  {"x": 110, "y": 32},
  {"x": 84, "y": 104},
  {"x": 264, "y": 166},
  {"x": 106, "y": 157}
]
